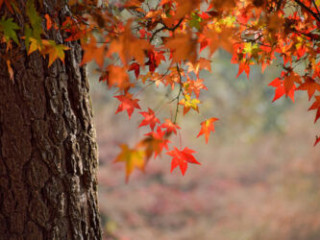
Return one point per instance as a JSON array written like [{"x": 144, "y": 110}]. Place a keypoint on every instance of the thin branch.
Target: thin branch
[
  {"x": 316, "y": 7},
  {"x": 165, "y": 27},
  {"x": 178, "y": 96},
  {"x": 302, "y": 5}
]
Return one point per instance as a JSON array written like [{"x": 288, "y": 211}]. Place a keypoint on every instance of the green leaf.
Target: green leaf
[
  {"x": 35, "y": 20},
  {"x": 195, "y": 21},
  {"x": 9, "y": 29},
  {"x": 28, "y": 35}
]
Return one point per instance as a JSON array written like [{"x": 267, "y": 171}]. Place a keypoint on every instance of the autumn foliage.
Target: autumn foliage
[{"x": 168, "y": 43}]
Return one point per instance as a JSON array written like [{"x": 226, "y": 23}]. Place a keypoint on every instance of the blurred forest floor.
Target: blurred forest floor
[{"x": 259, "y": 178}]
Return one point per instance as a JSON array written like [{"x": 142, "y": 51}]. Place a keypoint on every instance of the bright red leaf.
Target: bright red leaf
[{"x": 182, "y": 158}]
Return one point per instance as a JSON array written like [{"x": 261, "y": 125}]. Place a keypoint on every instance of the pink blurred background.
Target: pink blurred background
[{"x": 259, "y": 178}]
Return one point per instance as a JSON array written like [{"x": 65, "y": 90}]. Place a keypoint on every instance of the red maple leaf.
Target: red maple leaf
[
  {"x": 278, "y": 84},
  {"x": 127, "y": 103},
  {"x": 170, "y": 126},
  {"x": 310, "y": 86},
  {"x": 157, "y": 141},
  {"x": 136, "y": 68},
  {"x": 149, "y": 119},
  {"x": 207, "y": 127},
  {"x": 182, "y": 158},
  {"x": 316, "y": 106}
]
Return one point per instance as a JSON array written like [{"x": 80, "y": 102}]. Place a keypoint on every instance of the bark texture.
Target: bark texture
[{"x": 48, "y": 153}]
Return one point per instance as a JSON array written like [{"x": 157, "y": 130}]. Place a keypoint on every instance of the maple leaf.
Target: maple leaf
[
  {"x": 54, "y": 50},
  {"x": 186, "y": 7},
  {"x": 215, "y": 39},
  {"x": 132, "y": 158},
  {"x": 91, "y": 51},
  {"x": 207, "y": 126},
  {"x": 289, "y": 82},
  {"x": 127, "y": 103},
  {"x": 316, "y": 106},
  {"x": 136, "y": 68},
  {"x": 35, "y": 19},
  {"x": 9, "y": 29},
  {"x": 149, "y": 119},
  {"x": 194, "y": 86},
  {"x": 280, "y": 89},
  {"x": 310, "y": 86},
  {"x": 183, "y": 47},
  {"x": 170, "y": 127},
  {"x": 128, "y": 46},
  {"x": 243, "y": 66},
  {"x": 117, "y": 76},
  {"x": 155, "y": 142},
  {"x": 182, "y": 158},
  {"x": 189, "y": 103}
]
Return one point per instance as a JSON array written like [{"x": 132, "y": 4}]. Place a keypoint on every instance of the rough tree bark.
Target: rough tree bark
[{"x": 48, "y": 153}]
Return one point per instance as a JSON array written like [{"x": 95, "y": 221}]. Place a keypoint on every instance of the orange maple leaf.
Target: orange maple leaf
[
  {"x": 128, "y": 46},
  {"x": 207, "y": 126},
  {"x": 92, "y": 52},
  {"x": 183, "y": 47}
]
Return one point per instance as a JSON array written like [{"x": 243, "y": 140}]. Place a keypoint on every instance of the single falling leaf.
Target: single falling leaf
[
  {"x": 182, "y": 158},
  {"x": 207, "y": 126},
  {"x": 132, "y": 158},
  {"x": 127, "y": 104},
  {"x": 149, "y": 119}
]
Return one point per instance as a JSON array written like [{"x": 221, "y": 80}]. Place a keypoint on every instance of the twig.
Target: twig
[{"x": 302, "y": 5}]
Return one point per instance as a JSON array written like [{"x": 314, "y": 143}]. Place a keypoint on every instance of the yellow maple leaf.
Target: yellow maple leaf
[
  {"x": 189, "y": 103},
  {"x": 132, "y": 158}
]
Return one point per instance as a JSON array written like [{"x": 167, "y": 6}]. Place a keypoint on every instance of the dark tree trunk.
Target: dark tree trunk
[{"x": 48, "y": 153}]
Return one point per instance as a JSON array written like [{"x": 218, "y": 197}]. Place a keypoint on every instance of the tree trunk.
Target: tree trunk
[{"x": 48, "y": 153}]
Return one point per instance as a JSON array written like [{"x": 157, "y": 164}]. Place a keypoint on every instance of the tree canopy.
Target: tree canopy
[{"x": 138, "y": 44}]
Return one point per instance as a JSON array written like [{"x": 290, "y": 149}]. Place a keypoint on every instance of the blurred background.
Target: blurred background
[{"x": 259, "y": 178}]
